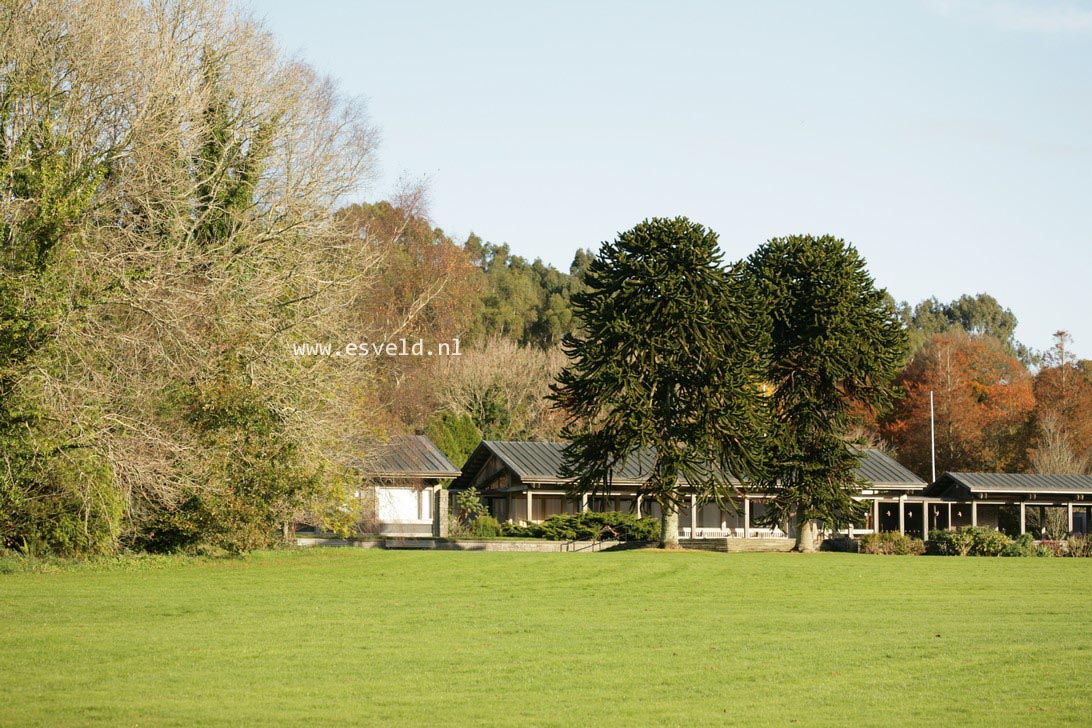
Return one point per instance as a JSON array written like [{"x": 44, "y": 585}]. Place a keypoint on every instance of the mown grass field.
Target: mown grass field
[{"x": 351, "y": 637}]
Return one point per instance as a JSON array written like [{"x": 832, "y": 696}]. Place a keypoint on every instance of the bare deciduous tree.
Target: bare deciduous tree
[{"x": 203, "y": 245}]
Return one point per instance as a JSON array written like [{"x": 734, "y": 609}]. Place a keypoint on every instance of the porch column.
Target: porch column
[
  {"x": 974, "y": 513},
  {"x": 950, "y": 526},
  {"x": 1023, "y": 518},
  {"x": 876, "y": 515},
  {"x": 638, "y": 505},
  {"x": 694, "y": 516},
  {"x": 902, "y": 515},
  {"x": 925, "y": 521},
  {"x": 584, "y": 503},
  {"x": 1069, "y": 510},
  {"x": 746, "y": 517},
  {"x": 440, "y": 513},
  {"x": 530, "y": 513}
]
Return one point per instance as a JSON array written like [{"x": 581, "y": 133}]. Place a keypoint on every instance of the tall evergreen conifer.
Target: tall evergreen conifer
[
  {"x": 667, "y": 366},
  {"x": 836, "y": 343}
]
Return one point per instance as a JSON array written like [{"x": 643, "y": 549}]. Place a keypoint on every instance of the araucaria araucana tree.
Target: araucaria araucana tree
[
  {"x": 835, "y": 344},
  {"x": 667, "y": 365}
]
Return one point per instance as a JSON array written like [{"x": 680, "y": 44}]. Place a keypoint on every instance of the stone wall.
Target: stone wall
[
  {"x": 750, "y": 545},
  {"x": 723, "y": 545},
  {"x": 457, "y": 544},
  {"x": 738, "y": 545}
]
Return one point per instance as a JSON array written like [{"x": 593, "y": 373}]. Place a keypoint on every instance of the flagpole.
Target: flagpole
[{"x": 932, "y": 436}]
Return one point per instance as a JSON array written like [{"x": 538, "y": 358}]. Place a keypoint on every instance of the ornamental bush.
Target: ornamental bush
[
  {"x": 891, "y": 543},
  {"x": 1051, "y": 548},
  {"x": 484, "y": 527},
  {"x": 1079, "y": 546},
  {"x": 589, "y": 526},
  {"x": 950, "y": 543},
  {"x": 989, "y": 542},
  {"x": 516, "y": 530},
  {"x": 1021, "y": 546},
  {"x": 975, "y": 541}
]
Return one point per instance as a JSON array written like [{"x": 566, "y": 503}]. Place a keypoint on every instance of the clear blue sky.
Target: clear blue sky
[{"x": 950, "y": 141}]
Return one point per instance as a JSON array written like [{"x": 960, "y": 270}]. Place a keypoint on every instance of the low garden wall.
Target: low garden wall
[
  {"x": 467, "y": 544},
  {"x": 739, "y": 545}
]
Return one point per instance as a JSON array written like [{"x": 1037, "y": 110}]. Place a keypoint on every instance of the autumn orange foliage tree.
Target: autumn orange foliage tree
[
  {"x": 983, "y": 402},
  {"x": 1063, "y": 429}
]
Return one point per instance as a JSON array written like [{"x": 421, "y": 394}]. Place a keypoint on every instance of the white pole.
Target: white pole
[
  {"x": 693, "y": 515},
  {"x": 932, "y": 436}
]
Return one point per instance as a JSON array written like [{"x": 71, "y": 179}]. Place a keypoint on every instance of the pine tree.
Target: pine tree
[
  {"x": 836, "y": 342},
  {"x": 667, "y": 362}
]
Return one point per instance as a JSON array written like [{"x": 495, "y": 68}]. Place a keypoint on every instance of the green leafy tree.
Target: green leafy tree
[
  {"x": 252, "y": 478},
  {"x": 668, "y": 362},
  {"x": 54, "y": 496},
  {"x": 836, "y": 342},
  {"x": 230, "y": 159},
  {"x": 527, "y": 302},
  {"x": 978, "y": 315},
  {"x": 455, "y": 434}
]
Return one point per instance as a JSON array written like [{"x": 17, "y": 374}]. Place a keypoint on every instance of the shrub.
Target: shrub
[
  {"x": 484, "y": 527},
  {"x": 891, "y": 543},
  {"x": 469, "y": 506},
  {"x": 988, "y": 542},
  {"x": 74, "y": 509},
  {"x": 973, "y": 541},
  {"x": 1079, "y": 546},
  {"x": 840, "y": 544},
  {"x": 950, "y": 543},
  {"x": 1022, "y": 546},
  {"x": 1051, "y": 548},
  {"x": 516, "y": 530},
  {"x": 589, "y": 526}
]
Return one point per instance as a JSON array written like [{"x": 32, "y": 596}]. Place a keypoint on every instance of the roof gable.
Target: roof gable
[
  {"x": 412, "y": 456},
  {"x": 880, "y": 469}
]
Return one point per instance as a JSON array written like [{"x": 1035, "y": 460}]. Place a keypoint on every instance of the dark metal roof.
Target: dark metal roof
[
  {"x": 1012, "y": 483},
  {"x": 880, "y": 469},
  {"x": 412, "y": 456},
  {"x": 540, "y": 462}
]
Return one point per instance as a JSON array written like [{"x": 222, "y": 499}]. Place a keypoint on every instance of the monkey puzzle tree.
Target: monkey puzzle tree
[
  {"x": 835, "y": 344},
  {"x": 668, "y": 362}
]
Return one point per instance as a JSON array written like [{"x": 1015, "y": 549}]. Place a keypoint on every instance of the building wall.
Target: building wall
[{"x": 403, "y": 504}]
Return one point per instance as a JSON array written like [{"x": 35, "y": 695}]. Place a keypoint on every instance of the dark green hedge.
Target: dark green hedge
[{"x": 589, "y": 526}]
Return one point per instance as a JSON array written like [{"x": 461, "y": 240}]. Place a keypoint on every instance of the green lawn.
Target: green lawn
[{"x": 354, "y": 637}]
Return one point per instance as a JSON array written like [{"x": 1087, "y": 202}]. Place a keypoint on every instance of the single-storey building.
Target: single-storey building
[
  {"x": 401, "y": 482},
  {"x": 521, "y": 481},
  {"x": 1016, "y": 503}
]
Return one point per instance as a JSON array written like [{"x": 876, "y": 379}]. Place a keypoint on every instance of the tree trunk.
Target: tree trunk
[
  {"x": 669, "y": 527},
  {"x": 806, "y": 533}
]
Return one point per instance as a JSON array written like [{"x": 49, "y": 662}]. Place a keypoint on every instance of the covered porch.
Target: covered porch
[
  {"x": 696, "y": 520},
  {"x": 1046, "y": 506}
]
